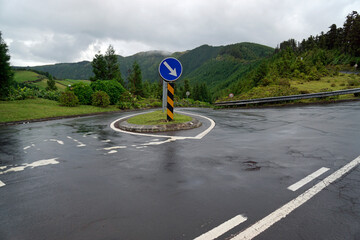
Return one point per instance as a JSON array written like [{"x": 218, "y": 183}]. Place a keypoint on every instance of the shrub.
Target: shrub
[
  {"x": 283, "y": 82},
  {"x": 51, "y": 95},
  {"x": 100, "y": 99},
  {"x": 113, "y": 88},
  {"x": 68, "y": 99},
  {"x": 353, "y": 82},
  {"x": 83, "y": 92},
  {"x": 22, "y": 93},
  {"x": 126, "y": 101},
  {"x": 124, "y": 105}
]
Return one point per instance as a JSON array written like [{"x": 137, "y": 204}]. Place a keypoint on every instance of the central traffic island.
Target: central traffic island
[{"x": 156, "y": 121}]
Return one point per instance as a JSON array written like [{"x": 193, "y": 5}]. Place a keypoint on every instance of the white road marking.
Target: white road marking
[
  {"x": 58, "y": 141},
  {"x": 223, "y": 228},
  {"x": 2, "y": 184},
  {"x": 35, "y": 164},
  {"x": 27, "y": 147},
  {"x": 160, "y": 142},
  {"x": 112, "y": 151},
  {"x": 174, "y": 138},
  {"x": 308, "y": 179},
  {"x": 3, "y": 167},
  {"x": 115, "y": 147},
  {"x": 106, "y": 141},
  {"x": 80, "y": 144},
  {"x": 286, "y": 209},
  {"x": 88, "y": 133}
]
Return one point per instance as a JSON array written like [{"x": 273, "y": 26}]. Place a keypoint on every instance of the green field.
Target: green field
[
  {"x": 43, "y": 84},
  {"x": 42, "y": 108},
  {"x": 26, "y": 76}
]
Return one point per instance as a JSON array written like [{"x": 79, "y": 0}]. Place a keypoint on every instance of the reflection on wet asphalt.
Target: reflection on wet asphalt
[{"x": 111, "y": 185}]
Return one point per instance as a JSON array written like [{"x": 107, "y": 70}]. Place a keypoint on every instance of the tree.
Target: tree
[
  {"x": 112, "y": 66},
  {"x": 6, "y": 74},
  {"x": 99, "y": 67},
  {"x": 106, "y": 67},
  {"x": 135, "y": 81},
  {"x": 51, "y": 84},
  {"x": 186, "y": 87}
]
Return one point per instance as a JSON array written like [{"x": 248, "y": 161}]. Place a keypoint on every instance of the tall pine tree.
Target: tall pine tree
[
  {"x": 135, "y": 81},
  {"x": 106, "y": 67},
  {"x": 6, "y": 74}
]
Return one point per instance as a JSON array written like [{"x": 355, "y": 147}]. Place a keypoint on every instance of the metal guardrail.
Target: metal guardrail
[{"x": 288, "y": 98}]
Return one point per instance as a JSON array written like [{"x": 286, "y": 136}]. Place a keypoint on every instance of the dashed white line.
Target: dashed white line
[
  {"x": 115, "y": 147},
  {"x": 283, "y": 211},
  {"x": 58, "y": 141},
  {"x": 308, "y": 179},
  {"x": 112, "y": 151},
  {"x": 223, "y": 228},
  {"x": 2, "y": 183}
]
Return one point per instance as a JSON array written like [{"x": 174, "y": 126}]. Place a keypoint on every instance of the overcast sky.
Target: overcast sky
[{"x": 47, "y": 31}]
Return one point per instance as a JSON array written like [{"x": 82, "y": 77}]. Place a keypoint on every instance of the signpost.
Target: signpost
[{"x": 170, "y": 69}]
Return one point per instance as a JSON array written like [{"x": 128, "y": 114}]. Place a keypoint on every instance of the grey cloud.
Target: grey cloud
[{"x": 65, "y": 30}]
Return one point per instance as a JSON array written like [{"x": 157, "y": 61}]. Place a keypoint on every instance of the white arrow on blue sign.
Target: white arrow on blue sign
[{"x": 170, "y": 69}]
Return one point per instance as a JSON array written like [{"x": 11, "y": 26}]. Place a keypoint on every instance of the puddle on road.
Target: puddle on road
[{"x": 251, "y": 166}]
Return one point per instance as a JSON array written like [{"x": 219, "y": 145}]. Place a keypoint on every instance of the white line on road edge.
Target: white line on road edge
[
  {"x": 283, "y": 211},
  {"x": 223, "y": 228},
  {"x": 2, "y": 184},
  {"x": 308, "y": 179},
  {"x": 199, "y": 136}
]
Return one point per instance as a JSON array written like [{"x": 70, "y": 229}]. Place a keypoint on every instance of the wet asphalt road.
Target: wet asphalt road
[{"x": 97, "y": 183}]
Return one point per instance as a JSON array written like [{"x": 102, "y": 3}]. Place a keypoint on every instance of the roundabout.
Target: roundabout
[{"x": 196, "y": 128}]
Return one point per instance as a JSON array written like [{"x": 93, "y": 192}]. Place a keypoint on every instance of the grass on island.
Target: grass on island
[
  {"x": 157, "y": 118},
  {"x": 42, "y": 108}
]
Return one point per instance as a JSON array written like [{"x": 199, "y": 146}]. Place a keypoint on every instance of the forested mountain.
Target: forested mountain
[
  {"x": 205, "y": 64},
  {"x": 148, "y": 62}
]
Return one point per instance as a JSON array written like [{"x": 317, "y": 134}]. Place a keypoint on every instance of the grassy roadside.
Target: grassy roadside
[
  {"x": 157, "y": 118},
  {"x": 299, "y": 86},
  {"x": 42, "y": 108}
]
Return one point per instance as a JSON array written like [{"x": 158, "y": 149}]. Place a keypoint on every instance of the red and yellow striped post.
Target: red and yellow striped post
[{"x": 170, "y": 102}]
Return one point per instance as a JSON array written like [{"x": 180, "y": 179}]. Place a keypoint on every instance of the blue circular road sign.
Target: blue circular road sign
[{"x": 170, "y": 69}]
